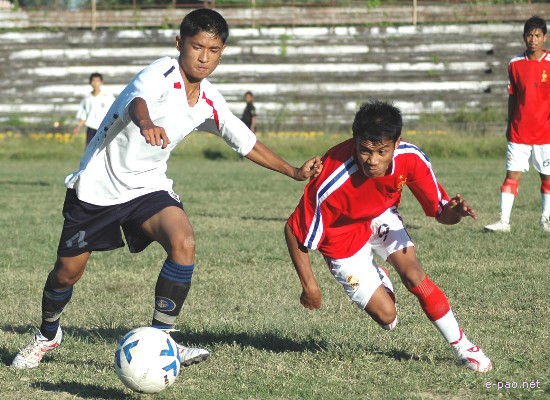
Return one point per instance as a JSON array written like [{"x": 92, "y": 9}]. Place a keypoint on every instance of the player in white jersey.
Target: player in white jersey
[
  {"x": 122, "y": 179},
  {"x": 93, "y": 107}
]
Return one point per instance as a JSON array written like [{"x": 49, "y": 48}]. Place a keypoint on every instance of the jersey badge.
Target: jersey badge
[
  {"x": 544, "y": 76},
  {"x": 177, "y": 85},
  {"x": 402, "y": 183},
  {"x": 164, "y": 304},
  {"x": 352, "y": 282}
]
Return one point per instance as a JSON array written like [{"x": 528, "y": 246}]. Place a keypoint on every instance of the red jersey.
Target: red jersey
[
  {"x": 529, "y": 81},
  {"x": 335, "y": 213}
]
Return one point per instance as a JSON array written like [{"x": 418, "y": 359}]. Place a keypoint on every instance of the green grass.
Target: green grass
[
  {"x": 442, "y": 141},
  {"x": 244, "y": 303}
]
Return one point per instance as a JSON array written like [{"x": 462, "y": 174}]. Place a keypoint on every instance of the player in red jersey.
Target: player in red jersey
[
  {"x": 349, "y": 213},
  {"x": 528, "y": 131}
]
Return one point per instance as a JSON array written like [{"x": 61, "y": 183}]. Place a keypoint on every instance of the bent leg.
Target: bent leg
[
  {"x": 58, "y": 291},
  {"x": 172, "y": 229},
  {"x": 432, "y": 300},
  {"x": 363, "y": 282},
  {"x": 381, "y": 308}
]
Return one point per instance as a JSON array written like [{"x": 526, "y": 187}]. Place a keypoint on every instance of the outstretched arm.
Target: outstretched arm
[
  {"x": 262, "y": 155},
  {"x": 311, "y": 294},
  {"x": 454, "y": 210},
  {"x": 139, "y": 113}
]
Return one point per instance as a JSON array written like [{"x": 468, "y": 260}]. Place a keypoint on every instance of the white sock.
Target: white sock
[
  {"x": 448, "y": 326},
  {"x": 506, "y": 204},
  {"x": 545, "y": 203}
]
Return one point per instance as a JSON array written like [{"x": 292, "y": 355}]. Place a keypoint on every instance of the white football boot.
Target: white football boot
[
  {"x": 471, "y": 356},
  {"x": 192, "y": 355},
  {"x": 31, "y": 355},
  {"x": 189, "y": 355},
  {"x": 544, "y": 223},
  {"x": 500, "y": 226}
]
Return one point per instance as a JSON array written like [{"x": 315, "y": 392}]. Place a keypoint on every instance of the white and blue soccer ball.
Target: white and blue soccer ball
[{"x": 147, "y": 360}]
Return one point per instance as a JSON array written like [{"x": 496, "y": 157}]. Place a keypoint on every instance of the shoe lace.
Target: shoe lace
[{"x": 35, "y": 349}]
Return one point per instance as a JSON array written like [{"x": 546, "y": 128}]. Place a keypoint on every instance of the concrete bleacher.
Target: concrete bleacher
[{"x": 303, "y": 78}]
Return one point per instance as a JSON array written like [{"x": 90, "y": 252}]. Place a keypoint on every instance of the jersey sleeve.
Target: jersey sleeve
[
  {"x": 424, "y": 186},
  {"x": 302, "y": 221},
  {"x": 237, "y": 135},
  {"x": 226, "y": 124},
  {"x": 511, "y": 82},
  {"x": 150, "y": 84},
  {"x": 312, "y": 214},
  {"x": 82, "y": 113}
]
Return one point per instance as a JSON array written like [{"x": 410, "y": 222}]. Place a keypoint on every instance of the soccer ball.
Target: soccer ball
[{"x": 147, "y": 360}]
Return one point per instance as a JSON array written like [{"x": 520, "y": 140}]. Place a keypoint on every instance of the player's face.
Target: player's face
[
  {"x": 534, "y": 40},
  {"x": 96, "y": 83},
  {"x": 199, "y": 55},
  {"x": 374, "y": 158}
]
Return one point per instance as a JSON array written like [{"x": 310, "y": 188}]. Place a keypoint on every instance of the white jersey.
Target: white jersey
[
  {"x": 92, "y": 108},
  {"x": 118, "y": 165}
]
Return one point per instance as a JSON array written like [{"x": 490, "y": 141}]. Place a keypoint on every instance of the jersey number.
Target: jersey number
[{"x": 77, "y": 239}]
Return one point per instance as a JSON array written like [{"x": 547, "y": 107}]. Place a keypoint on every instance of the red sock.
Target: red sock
[
  {"x": 510, "y": 186},
  {"x": 432, "y": 299}
]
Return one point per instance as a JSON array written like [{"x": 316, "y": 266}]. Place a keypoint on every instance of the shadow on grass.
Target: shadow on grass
[
  {"x": 18, "y": 183},
  {"x": 243, "y": 217},
  {"x": 271, "y": 341},
  {"x": 81, "y": 390}
]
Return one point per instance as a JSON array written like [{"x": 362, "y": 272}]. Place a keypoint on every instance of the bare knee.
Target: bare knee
[
  {"x": 384, "y": 316},
  {"x": 182, "y": 248},
  {"x": 68, "y": 270},
  {"x": 381, "y": 308},
  {"x": 412, "y": 276}
]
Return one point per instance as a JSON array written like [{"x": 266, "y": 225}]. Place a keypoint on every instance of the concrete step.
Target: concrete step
[{"x": 316, "y": 75}]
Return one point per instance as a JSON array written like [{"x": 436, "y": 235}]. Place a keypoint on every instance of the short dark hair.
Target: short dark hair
[
  {"x": 248, "y": 92},
  {"x": 96, "y": 75},
  {"x": 535, "y": 22},
  {"x": 377, "y": 121},
  {"x": 204, "y": 20}
]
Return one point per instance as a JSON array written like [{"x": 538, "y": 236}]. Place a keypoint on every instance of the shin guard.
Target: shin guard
[{"x": 171, "y": 290}]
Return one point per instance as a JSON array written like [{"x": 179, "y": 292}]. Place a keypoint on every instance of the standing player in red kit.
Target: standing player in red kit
[
  {"x": 349, "y": 213},
  {"x": 528, "y": 130}
]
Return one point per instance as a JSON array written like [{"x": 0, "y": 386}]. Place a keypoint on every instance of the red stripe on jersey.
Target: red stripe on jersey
[{"x": 215, "y": 112}]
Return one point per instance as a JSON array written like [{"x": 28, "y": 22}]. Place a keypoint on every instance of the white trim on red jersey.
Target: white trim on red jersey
[
  {"x": 335, "y": 213},
  {"x": 332, "y": 183}
]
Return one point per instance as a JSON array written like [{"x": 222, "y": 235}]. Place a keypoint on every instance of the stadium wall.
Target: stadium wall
[{"x": 303, "y": 77}]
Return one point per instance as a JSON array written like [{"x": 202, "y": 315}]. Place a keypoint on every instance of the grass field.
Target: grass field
[{"x": 244, "y": 303}]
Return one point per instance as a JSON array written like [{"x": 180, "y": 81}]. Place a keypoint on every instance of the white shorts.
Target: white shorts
[
  {"x": 359, "y": 274},
  {"x": 518, "y": 157}
]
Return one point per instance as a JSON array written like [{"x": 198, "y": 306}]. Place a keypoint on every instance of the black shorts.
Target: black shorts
[
  {"x": 88, "y": 227},
  {"x": 90, "y": 133}
]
